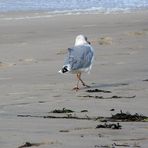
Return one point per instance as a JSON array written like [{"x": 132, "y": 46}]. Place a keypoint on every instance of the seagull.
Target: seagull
[{"x": 79, "y": 59}]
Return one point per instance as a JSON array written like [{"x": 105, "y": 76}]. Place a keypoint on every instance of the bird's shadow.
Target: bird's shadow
[{"x": 107, "y": 85}]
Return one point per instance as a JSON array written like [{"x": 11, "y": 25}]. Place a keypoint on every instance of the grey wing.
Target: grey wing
[{"x": 79, "y": 57}]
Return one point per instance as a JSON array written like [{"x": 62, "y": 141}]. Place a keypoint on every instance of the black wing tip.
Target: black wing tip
[{"x": 64, "y": 69}]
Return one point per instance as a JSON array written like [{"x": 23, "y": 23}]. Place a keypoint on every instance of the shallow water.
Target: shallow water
[{"x": 71, "y": 6}]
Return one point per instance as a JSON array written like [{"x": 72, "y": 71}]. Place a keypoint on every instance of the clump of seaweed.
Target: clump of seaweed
[
  {"x": 111, "y": 97},
  {"x": 114, "y": 145},
  {"x": 84, "y": 111},
  {"x": 64, "y": 110},
  {"x": 97, "y": 90},
  {"x": 28, "y": 144},
  {"x": 146, "y": 80},
  {"x": 112, "y": 126},
  {"x": 127, "y": 117}
]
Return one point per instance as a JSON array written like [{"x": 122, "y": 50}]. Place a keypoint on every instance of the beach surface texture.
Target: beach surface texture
[{"x": 38, "y": 107}]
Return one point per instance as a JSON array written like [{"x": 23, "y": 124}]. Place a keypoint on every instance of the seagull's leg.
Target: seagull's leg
[
  {"x": 79, "y": 77},
  {"x": 77, "y": 86}
]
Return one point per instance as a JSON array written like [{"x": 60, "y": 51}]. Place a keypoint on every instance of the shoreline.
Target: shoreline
[{"x": 17, "y": 15}]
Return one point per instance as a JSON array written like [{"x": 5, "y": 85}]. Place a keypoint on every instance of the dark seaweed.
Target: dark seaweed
[
  {"x": 112, "y": 126},
  {"x": 112, "y": 97},
  {"x": 114, "y": 145},
  {"x": 64, "y": 110},
  {"x": 119, "y": 117},
  {"x": 68, "y": 116},
  {"x": 112, "y": 109},
  {"x": 84, "y": 111},
  {"x": 104, "y": 146},
  {"x": 97, "y": 90},
  {"x": 127, "y": 117},
  {"x": 146, "y": 80},
  {"x": 28, "y": 144}
]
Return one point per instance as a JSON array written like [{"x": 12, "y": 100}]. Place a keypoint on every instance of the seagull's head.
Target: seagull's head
[{"x": 81, "y": 40}]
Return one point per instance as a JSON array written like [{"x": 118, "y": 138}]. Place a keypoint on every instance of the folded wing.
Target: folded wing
[{"x": 79, "y": 57}]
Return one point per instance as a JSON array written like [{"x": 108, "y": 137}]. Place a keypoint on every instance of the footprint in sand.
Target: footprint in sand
[
  {"x": 103, "y": 41},
  {"x": 28, "y": 61},
  {"x": 136, "y": 33},
  {"x": 6, "y": 65},
  {"x": 62, "y": 51}
]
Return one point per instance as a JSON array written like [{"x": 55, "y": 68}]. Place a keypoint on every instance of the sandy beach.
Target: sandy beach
[{"x": 32, "y": 50}]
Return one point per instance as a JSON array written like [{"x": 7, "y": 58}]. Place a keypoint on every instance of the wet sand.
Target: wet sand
[{"x": 32, "y": 50}]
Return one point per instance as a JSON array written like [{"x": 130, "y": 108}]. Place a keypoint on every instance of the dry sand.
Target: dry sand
[{"x": 32, "y": 50}]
